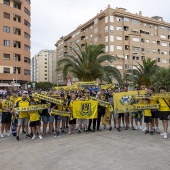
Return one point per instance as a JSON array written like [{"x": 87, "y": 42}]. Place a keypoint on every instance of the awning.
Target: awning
[
  {"x": 4, "y": 85},
  {"x": 134, "y": 30},
  {"x": 120, "y": 56},
  {"x": 145, "y": 31}
]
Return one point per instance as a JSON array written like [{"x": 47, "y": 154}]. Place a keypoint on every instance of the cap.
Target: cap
[{"x": 25, "y": 92}]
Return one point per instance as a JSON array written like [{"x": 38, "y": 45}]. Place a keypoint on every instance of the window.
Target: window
[
  {"x": 126, "y": 37},
  {"x": 45, "y": 63},
  {"x": 111, "y": 48},
  {"x": 119, "y": 67},
  {"x": 158, "y": 60},
  {"x": 95, "y": 39},
  {"x": 106, "y": 38},
  {"x": 45, "y": 66},
  {"x": 26, "y": 72},
  {"x": 6, "y": 56},
  {"x": 26, "y": 60},
  {"x": 17, "y": 57},
  {"x": 17, "y": 18},
  {"x": 106, "y": 19},
  {"x": 111, "y": 28},
  {"x": 17, "y": 5},
  {"x": 111, "y": 38},
  {"x": 28, "y": 1},
  {"x": 126, "y": 19},
  {"x": 153, "y": 42},
  {"x": 136, "y": 49},
  {"x": 6, "y": 70},
  {"x": 95, "y": 21},
  {"x": 169, "y": 29},
  {"x": 135, "y": 39},
  {"x": 163, "y": 36},
  {"x": 154, "y": 51},
  {"x": 111, "y": 18},
  {"x": 106, "y": 48},
  {"x": 17, "y": 44},
  {"x": 151, "y": 26},
  {"x": 134, "y": 21},
  {"x": 164, "y": 61},
  {"x": 26, "y": 23},
  {"x": 45, "y": 74},
  {"x": 164, "y": 44},
  {"x": 106, "y": 28},
  {"x": 119, "y": 19},
  {"x": 45, "y": 78},
  {"x": 119, "y": 28},
  {"x": 27, "y": 11},
  {"x": 95, "y": 30},
  {"x": 126, "y": 28},
  {"x": 45, "y": 70},
  {"x": 119, "y": 47},
  {"x": 17, "y": 31},
  {"x": 6, "y": 29},
  {"x": 147, "y": 41},
  {"x": 162, "y": 28},
  {"x": 126, "y": 47},
  {"x": 7, "y": 2},
  {"x": 126, "y": 57},
  {"x": 126, "y": 66},
  {"x": 6, "y": 15},
  {"x": 26, "y": 47},
  {"x": 118, "y": 38},
  {"x": 164, "y": 53},
  {"x": 6, "y": 43},
  {"x": 144, "y": 25}
]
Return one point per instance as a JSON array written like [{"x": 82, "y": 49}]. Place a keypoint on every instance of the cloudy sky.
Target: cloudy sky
[{"x": 53, "y": 19}]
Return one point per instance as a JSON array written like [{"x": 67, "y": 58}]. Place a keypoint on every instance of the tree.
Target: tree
[
  {"x": 161, "y": 78},
  {"x": 86, "y": 65},
  {"x": 143, "y": 72}
]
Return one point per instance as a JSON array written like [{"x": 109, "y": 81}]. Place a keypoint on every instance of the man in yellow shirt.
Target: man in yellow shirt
[
  {"x": 23, "y": 117},
  {"x": 6, "y": 115},
  {"x": 164, "y": 112}
]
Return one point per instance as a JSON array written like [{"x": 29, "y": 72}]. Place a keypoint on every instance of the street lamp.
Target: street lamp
[{"x": 132, "y": 66}]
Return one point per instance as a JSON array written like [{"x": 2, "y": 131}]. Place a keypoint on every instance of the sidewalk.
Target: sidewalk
[{"x": 105, "y": 150}]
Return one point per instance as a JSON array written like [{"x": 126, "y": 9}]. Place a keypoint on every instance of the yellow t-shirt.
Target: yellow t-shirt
[
  {"x": 22, "y": 103},
  {"x": 34, "y": 116},
  {"x": 147, "y": 113},
  {"x": 13, "y": 99},
  {"x": 6, "y": 104},
  {"x": 163, "y": 106}
]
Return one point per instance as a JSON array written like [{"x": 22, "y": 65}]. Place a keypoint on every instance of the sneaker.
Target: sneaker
[
  {"x": 40, "y": 137},
  {"x": 8, "y": 134},
  {"x": 2, "y": 135},
  {"x": 118, "y": 129},
  {"x": 146, "y": 132},
  {"x": 99, "y": 130},
  {"x": 31, "y": 134},
  {"x": 110, "y": 128},
  {"x": 17, "y": 138},
  {"x": 67, "y": 127},
  {"x": 157, "y": 130},
  {"x": 114, "y": 127},
  {"x": 28, "y": 136},
  {"x": 24, "y": 132},
  {"x": 132, "y": 128},
  {"x": 62, "y": 131},
  {"x": 140, "y": 127},
  {"x": 57, "y": 135},
  {"x": 162, "y": 134},
  {"x": 126, "y": 128},
  {"x": 93, "y": 130},
  {"x": 86, "y": 131},
  {"x": 79, "y": 131},
  {"x": 144, "y": 129},
  {"x": 33, "y": 137},
  {"x": 165, "y": 136},
  {"x": 89, "y": 130}
]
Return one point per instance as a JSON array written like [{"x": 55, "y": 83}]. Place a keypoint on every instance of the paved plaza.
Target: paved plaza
[{"x": 105, "y": 150}]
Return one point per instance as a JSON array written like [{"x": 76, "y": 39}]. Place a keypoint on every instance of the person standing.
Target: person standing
[
  {"x": 23, "y": 116},
  {"x": 6, "y": 116}
]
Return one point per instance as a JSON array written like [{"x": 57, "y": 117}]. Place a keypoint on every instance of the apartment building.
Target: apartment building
[
  {"x": 129, "y": 37},
  {"x": 43, "y": 66},
  {"x": 15, "y": 41}
]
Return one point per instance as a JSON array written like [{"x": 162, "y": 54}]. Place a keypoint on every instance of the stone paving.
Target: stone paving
[{"x": 105, "y": 150}]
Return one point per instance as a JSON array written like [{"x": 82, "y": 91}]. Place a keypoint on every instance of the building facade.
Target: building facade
[
  {"x": 43, "y": 66},
  {"x": 129, "y": 37},
  {"x": 15, "y": 41}
]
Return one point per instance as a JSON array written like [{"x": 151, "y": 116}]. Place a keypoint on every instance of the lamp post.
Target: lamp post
[
  {"x": 16, "y": 71},
  {"x": 132, "y": 67}
]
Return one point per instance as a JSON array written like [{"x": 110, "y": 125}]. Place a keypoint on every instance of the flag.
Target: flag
[{"x": 85, "y": 109}]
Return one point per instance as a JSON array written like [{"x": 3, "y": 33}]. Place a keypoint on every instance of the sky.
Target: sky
[{"x": 53, "y": 19}]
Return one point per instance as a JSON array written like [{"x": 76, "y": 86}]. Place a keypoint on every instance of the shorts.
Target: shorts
[
  {"x": 6, "y": 118},
  {"x": 35, "y": 123},
  {"x": 116, "y": 116},
  {"x": 164, "y": 115},
  {"x": 23, "y": 121},
  {"x": 148, "y": 119},
  {"x": 73, "y": 121},
  {"x": 82, "y": 121},
  {"x": 121, "y": 115},
  {"x": 57, "y": 118},
  {"x": 48, "y": 119},
  {"x": 126, "y": 114},
  {"x": 64, "y": 118},
  {"x": 155, "y": 114}
]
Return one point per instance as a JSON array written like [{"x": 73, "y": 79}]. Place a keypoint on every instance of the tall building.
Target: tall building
[
  {"x": 43, "y": 66},
  {"x": 129, "y": 37},
  {"x": 15, "y": 41}
]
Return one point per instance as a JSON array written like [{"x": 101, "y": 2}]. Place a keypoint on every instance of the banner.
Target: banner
[
  {"x": 61, "y": 113},
  {"x": 68, "y": 88},
  {"x": 85, "y": 109},
  {"x": 107, "y": 86},
  {"x": 31, "y": 108},
  {"x": 49, "y": 99},
  {"x": 146, "y": 106},
  {"x": 103, "y": 103},
  {"x": 123, "y": 102},
  {"x": 106, "y": 118},
  {"x": 83, "y": 84},
  {"x": 165, "y": 95}
]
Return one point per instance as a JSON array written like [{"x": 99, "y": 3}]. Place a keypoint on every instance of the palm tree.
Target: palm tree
[
  {"x": 143, "y": 72},
  {"x": 86, "y": 65},
  {"x": 162, "y": 78}
]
